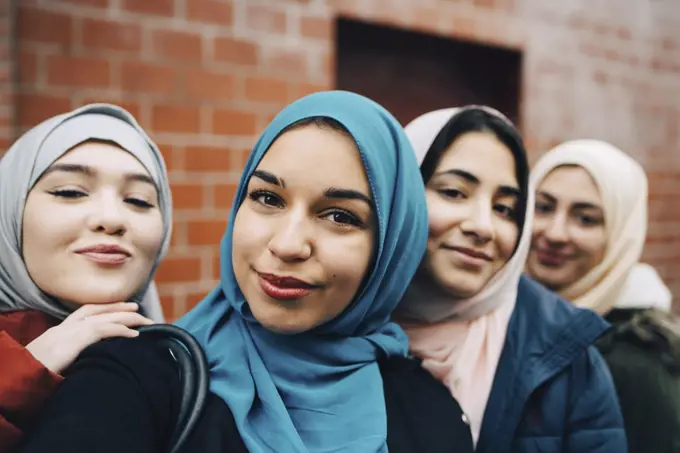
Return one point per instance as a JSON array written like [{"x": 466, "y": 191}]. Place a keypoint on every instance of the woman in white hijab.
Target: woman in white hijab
[
  {"x": 518, "y": 359},
  {"x": 85, "y": 219},
  {"x": 589, "y": 233}
]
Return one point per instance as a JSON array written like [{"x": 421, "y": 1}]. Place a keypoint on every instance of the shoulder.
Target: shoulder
[{"x": 26, "y": 325}]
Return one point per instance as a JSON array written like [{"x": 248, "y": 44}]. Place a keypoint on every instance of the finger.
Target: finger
[
  {"x": 124, "y": 318},
  {"x": 95, "y": 309},
  {"x": 103, "y": 331}
]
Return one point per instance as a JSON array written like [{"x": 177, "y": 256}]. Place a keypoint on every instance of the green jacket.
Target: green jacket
[{"x": 643, "y": 353}]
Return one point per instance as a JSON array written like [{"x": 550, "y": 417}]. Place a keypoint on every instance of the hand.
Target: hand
[{"x": 59, "y": 346}]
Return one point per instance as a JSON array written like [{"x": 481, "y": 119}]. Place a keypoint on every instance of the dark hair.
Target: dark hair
[
  {"x": 320, "y": 121},
  {"x": 477, "y": 120}
]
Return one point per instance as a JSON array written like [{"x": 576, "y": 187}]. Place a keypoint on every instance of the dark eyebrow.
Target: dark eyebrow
[
  {"x": 469, "y": 177},
  {"x": 510, "y": 191},
  {"x": 90, "y": 172},
  {"x": 269, "y": 178},
  {"x": 349, "y": 194},
  {"x": 577, "y": 205}
]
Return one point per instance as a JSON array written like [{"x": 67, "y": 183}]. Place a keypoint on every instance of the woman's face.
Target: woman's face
[
  {"x": 303, "y": 238},
  {"x": 569, "y": 237},
  {"x": 472, "y": 201},
  {"x": 92, "y": 227}
]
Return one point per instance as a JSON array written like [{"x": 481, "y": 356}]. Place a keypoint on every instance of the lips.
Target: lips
[
  {"x": 551, "y": 258},
  {"x": 284, "y": 287},
  {"x": 105, "y": 254}
]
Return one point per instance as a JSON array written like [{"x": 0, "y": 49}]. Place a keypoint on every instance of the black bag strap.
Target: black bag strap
[{"x": 194, "y": 375}]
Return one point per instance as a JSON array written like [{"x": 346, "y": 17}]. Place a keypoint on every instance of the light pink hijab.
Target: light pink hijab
[{"x": 461, "y": 340}]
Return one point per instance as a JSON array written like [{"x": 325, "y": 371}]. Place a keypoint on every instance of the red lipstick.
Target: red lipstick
[{"x": 285, "y": 288}]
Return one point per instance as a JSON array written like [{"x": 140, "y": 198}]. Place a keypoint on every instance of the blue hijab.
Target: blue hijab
[{"x": 321, "y": 390}]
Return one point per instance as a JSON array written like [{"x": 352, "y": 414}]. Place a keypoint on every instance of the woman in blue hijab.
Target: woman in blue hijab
[{"x": 328, "y": 227}]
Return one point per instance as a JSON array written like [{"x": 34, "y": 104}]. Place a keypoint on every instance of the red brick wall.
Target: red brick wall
[
  {"x": 204, "y": 76},
  {"x": 7, "y": 73}
]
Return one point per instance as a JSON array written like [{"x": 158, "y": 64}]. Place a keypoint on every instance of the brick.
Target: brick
[
  {"x": 174, "y": 118},
  {"x": 216, "y": 266},
  {"x": 206, "y": 159},
  {"x": 234, "y": 122},
  {"x": 213, "y": 11},
  {"x": 224, "y": 194},
  {"x": 206, "y": 232},
  {"x": 317, "y": 27},
  {"x": 150, "y": 7},
  {"x": 187, "y": 196},
  {"x": 266, "y": 18},
  {"x": 93, "y": 3},
  {"x": 44, "y": 26},
  {"x": 209, "y": 86},
  {"x": 168, "y": 306},
  {"x": 178, "y": 270},
  {"x": 137, "y": 76},
  {"x": 28, "y": 67},
  {"x": 78, "y": 71},
  {"x": 288, "y": 62},
  {"x": 194, "y": 299},
  {"x": 167, "y": 151},
  {"x": 236, "y": 51},
  {"x": 35, "y": 108},
  {"x": 177, "y": 45},
  {"x": 266, "y": 89},
  {"x": 110, "y": 35}
]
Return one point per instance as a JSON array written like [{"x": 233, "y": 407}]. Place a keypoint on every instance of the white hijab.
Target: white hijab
[
  {"x": 26, "y": 161},
  {"x": 623, "y": 187}
]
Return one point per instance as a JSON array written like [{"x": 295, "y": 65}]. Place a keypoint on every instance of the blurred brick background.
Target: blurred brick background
[{"x": 205, "y": 76}]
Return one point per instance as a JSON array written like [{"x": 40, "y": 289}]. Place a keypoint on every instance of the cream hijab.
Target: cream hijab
[
  {"x": 623, "y": 188},
  {"x": 461, "y": 340},
  {"x": 24, "y": 163}
]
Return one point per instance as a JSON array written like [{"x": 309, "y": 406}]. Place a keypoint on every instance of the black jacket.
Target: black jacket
[{"x": 122, "y": 395}]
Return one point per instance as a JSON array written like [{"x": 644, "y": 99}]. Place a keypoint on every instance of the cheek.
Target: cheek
[
  {"x": 507, "y": 235},
  {"x": 346, "y": 260},
  {"x": 442, "y": 217},
  {"x": 250, "y": 235},
  {"x": 591, "y": 241},
  {"x": 148, "y": 233}
]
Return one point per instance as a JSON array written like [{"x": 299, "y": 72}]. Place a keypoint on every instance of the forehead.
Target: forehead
[
  {"x": 316, "y": 156},
  {"x": 104, "y": 156},
  {"x": 482, "y": 155},
  {"x": 571, "y": 184}
]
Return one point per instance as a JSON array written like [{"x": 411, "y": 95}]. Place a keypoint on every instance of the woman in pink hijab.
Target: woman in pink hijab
[{"x": 518, "y": 358}]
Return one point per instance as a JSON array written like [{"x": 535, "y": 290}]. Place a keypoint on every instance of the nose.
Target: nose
[
  {"x": 108, "y": 215},
  {"x": 479, "y": 223},
  {"x": 291, "y": 239},
  {"x": 556, "y": 230}
]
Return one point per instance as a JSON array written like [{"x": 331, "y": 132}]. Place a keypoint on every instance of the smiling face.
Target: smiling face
[
  {"x": 569, "y": 237},
  {"x": 472, "y": 207},
  {"x": 303, "y": 238},
  {"x": 92, "y": 228}
]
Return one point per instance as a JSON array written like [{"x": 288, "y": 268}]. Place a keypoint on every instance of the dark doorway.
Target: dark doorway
[{"x": 413, "y": 73}]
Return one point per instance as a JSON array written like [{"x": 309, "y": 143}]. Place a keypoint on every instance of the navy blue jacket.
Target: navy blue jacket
[{"x": 552, "y": 391}]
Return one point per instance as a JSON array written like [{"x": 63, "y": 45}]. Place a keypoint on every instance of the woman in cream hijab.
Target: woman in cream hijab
[
  {"x": 589, "y": 233},
  {"x": 85, "y": 219},
  {"x": 518, "y": 359}
]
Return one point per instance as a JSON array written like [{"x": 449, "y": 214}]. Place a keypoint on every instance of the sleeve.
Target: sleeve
[
  {"x": 25, "y": 386},
  {"x": 595, "y": 423},
  {"x": 121, "y": 395}
]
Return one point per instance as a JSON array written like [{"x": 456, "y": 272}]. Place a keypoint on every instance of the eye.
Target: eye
[
  {"x": 451, "y": 193},
  {"x": 342, "y": 217},
  {"x": 139, "y": 203},
  {"x": 68, "y": 193},
  {"x": 587, "y": 220},
  {"x": 506, "y": 211},
  {"x": 266, "y": 198},
  {"x": 543, "y": 207}
]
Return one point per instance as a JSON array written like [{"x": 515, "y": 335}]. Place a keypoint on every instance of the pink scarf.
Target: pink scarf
[{"x": 461, "y": 340}]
